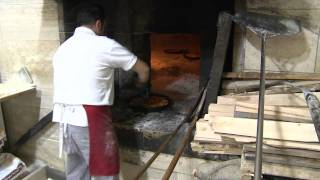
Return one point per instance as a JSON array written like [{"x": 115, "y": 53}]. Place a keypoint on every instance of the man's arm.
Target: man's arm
[{"x": 143, "y": 70}]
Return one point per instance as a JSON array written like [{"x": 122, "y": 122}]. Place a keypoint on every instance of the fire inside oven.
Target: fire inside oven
[{"x": 175, "y": 64}]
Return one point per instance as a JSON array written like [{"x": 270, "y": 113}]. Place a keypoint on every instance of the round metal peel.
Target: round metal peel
[{"x": 265, "y": 26}]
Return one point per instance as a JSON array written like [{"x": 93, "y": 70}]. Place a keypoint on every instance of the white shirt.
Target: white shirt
[
  {"x": 84, "y": 74},
  {"x": 84, "y": 68}
]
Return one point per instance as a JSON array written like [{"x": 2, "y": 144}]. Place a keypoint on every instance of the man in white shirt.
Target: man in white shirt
[{"x": 83, "y": 93}]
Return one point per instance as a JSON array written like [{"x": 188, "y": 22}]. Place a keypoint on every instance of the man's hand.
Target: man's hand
[{"x": 143, "y": 71}]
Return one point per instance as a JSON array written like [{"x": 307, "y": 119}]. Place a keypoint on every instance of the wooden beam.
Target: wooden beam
[
  {"x": 272, "y": 86},
  {"x": 298, "y": 111},
  {"x": 290, "y": 115},
  {"x": 219, "y": 56},
  {"x": 246, "y": 110},
  {"x": 283, "y": 151},
  {"x": 281, "y": 170},
  {"x": 289, "y": 131},
  {"x": 273, "y": 76},
  {"x": 286, "y": 160},
  {"x": 206, "y": 134},
  {"x": 216, "y": 148},
  {"x": 293, "y": 100}
]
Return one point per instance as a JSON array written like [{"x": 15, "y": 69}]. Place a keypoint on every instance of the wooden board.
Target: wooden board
[
  {"x": 299, "y": 111},
  {"x": 275, "y": 169},
  {"x": 216, "y": 148},
  {"x": 214, "y": 113},
  {"x": 219, "y": 56},
  {"x": 243, "y": 86},
  {"x": 245, "y": 110},
  {"x": 272, "y": 76},
  {"x": 272, "y": 129},
  {"x": 276, "y": 113},
  {"x": 283, "y": 151},
  {"x": 286, "y": 160},
  {"x": 204, "y": 133},
  {"x": 296, "y": 99},
  {"x": 221, "y": 108}
]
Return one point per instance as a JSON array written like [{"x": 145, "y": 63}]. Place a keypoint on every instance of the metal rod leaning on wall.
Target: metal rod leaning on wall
[
  {"x": 186, "y": 139},
  {"x": 259, "y": 141},
  {"x": 166, "y": 142}
]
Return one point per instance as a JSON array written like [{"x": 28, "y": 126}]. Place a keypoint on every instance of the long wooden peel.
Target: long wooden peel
[
  {"x": 186, "y": 138},
  {"x": 172, "y": 135}
]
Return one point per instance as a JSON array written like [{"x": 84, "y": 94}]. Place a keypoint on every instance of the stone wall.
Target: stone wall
[
  {"x": 29, "y": 36},
  {"x": 298, "y": 53},
  {"x": 30, "y": 32}
]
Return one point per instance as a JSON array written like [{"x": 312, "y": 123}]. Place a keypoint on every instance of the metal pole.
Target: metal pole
[{"x": 259, "y": 138}]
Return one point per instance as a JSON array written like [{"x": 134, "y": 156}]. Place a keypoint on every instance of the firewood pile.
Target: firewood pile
[{"x": 291, "y": 146}]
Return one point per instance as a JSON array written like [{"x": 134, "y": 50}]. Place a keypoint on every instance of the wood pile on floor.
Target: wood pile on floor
[{"x": 291, "y": 146}]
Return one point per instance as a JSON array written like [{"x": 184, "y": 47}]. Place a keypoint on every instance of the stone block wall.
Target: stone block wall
[
  {"x": 297, "y": 53},
  {"x": 29, "y": 36}
]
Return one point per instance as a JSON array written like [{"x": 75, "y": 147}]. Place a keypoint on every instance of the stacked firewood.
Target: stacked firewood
[{"x": 291, "y": 147}]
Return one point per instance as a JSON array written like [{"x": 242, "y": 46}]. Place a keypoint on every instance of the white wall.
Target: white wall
[
  {"x": 298, "y": 53},
  {"x": 29, "y": 36}
]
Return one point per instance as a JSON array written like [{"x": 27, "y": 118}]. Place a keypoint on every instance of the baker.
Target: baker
[{"x": 83, "y": 93}]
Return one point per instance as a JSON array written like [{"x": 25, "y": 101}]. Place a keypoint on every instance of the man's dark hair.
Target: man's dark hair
[{"x": 89, "y": 13}]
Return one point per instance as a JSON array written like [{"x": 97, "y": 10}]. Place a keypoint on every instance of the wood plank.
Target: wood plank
[
  {"x": 314, "y": 86},
  {"x": 221, "y": 107},
  {"x": 298, "y": 111},
  {"x": 249, "y": 140},
  {"x": 286, "y": 160},
  {"x": 247, "y": 85},
  {"x": 219, "y": 56},
  {"x": 281, "y": 170},
  {"x": 272, "y": 129},
  {"x": 292, "y": 100},
  {"x": 204, "y": 133},
  {"x": 246, "y": 110},
  {"x": 216, "y": 113},
  {"x": 216, "y": 148},
  {"x": 274, "y": 115},
  {"x": 283, "y": 151},
  {"x": 272, "y": 76},
  {"x": 267, "y": 116},
  {"x": 221, "y": 110}
]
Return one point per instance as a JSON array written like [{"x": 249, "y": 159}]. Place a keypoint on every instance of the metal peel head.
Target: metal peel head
[{"x": 268, "y": 24}]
